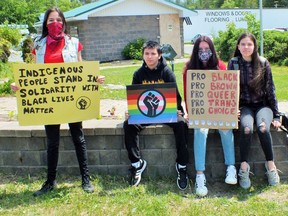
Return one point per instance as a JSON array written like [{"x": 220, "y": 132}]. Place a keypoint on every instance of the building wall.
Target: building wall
[
  {"x": 104, "y": 38},
  {"x": 170, "y": 31},
  {"x": 213, "y": 21}
]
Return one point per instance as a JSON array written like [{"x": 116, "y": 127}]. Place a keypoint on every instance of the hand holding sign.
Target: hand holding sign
[
  {"x": 57, "y": 93},
  {"x": 213, "y": 98},
  {"x": 152, "y": 103}
]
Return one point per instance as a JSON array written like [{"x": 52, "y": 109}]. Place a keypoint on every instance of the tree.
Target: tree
[
  {"x": 28, "y": 11},
  {"x": 8, "y": 37},
  {"x": 275, "y": 3},
  {"x": 21, "y": 12},
  {"x": 210, "y": 4}
]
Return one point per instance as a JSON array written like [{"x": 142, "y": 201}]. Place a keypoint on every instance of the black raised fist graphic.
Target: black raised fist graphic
[{"x": 152, "y": 103}]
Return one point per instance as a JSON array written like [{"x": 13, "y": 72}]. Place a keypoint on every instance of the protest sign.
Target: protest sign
[
  {"x": 212, "y": 98},
  {"x": 57, "y": 93},
  {"x": 152, "y": 103}
]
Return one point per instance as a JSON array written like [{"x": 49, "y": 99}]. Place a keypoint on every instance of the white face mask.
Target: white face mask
[{"x": 204, "y": 55}]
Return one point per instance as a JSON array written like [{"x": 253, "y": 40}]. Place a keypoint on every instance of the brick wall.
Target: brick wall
[
  {"x": 23, "y": 151},
  {"x": 105, "y": 37}
]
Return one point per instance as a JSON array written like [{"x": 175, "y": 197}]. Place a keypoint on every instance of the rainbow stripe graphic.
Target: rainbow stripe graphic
[{"x": 152, "y": 103}]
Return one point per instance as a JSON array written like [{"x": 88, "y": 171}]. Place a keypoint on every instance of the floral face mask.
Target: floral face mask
[{"x": 204, "y": 55}]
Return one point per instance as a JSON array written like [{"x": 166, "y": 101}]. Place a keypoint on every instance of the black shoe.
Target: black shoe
[
  {"x": 46, "y": 187},
  {"x": 86, "y": 185},
  {"x": 137, "y": 172},
  {"x": 182, "y": 179}
]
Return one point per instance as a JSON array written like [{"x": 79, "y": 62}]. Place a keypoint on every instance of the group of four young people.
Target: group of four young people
[{"x": 257, "y": 103}]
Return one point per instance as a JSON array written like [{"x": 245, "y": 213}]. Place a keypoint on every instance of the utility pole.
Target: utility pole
[{"x": 261, "y": 28}]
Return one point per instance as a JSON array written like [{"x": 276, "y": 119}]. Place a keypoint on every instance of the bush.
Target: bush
[
  {"x": 275, "y": 46},
  {"x": 133, "y": 50},
  {"x": 6, "y": 74},
  {"x": 226, "y": 42},
  {"x": 285, "y": 62},
  {"x": 10, "y": 34},
  {"x": 8, "y": 37},
  {"x": 275, "y": 43},
  {"x": 5, "y": 88},
  {"x": 27, "y": 49},
  {"x": 4, "y": 50},
  {"x": 6, "y": 70}
]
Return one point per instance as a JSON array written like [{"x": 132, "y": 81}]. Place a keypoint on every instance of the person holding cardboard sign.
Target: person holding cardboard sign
[
  {"x": 55, "y": 46},
  {"x": 155, "y": 70},
  {"x": 204, "y": 57},
  {"x": 258, "y": 103}
]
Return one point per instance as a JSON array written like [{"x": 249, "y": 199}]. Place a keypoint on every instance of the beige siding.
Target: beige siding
[
  {"x": 170, "y": 31},
  {"x": 134, "y": 8}
]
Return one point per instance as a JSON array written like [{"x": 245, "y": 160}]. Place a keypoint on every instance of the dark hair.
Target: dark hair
[
  {"x": 196, "y": 63},
  {"x": 152, "y": 44},
  {"x": 258, "y": 80},
  {"x": 44, "y": 24},
  {"x": 254, "y": 55}
]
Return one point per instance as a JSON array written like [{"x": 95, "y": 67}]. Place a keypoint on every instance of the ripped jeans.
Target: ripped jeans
[
  {"x": 200, "y": 140},
  {"x": 263, "y": 117}
]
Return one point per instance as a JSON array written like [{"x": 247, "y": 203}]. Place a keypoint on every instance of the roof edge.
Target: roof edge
[{"x": 88, "y": 10}]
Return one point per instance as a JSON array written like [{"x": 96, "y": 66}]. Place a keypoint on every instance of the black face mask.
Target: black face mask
[{"x": 204, "y": 55}]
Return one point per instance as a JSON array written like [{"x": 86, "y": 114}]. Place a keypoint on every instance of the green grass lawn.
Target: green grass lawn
[
  {"x": 280, "y": 77},
  {"x": 159, "y": 196},
  {"x": 123, "y": 76}
]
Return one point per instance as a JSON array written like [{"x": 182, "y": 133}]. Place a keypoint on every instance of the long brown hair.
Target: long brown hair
[
  {"x": 196, "y": 63},
  {"x": 258, "y": 80}
]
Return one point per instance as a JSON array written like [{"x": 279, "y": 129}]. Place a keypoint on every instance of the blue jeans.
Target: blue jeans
[
  {"x": 200, "y": 140},
  {"x": 263, "y": 117}
]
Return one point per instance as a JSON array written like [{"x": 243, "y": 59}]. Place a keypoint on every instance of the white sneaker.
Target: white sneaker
[
  {"x": 231, "y": 175},
  {"x": 200, "y": 185}
]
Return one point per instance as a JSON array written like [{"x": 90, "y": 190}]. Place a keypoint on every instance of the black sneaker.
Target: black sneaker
[
  {"x": 136, "y": 173},
  {"x": 46, "y": 187},
  {"x": 182, "y": 179},
  {"x": 86, "y": 185}
]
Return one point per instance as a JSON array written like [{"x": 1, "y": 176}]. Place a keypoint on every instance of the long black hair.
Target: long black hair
[{"x": 196, "y": 63}]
